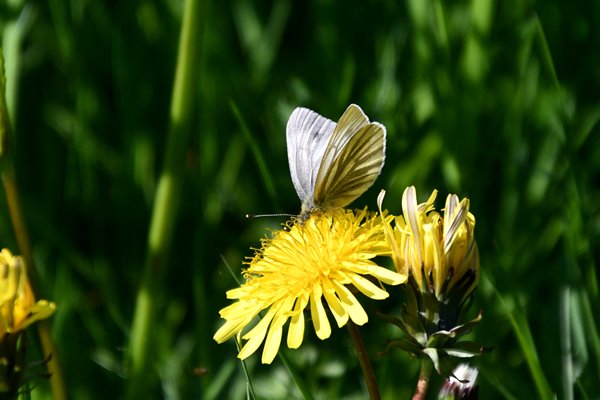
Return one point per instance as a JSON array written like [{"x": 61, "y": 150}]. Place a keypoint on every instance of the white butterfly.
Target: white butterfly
[{"x": 332, "y": 164}]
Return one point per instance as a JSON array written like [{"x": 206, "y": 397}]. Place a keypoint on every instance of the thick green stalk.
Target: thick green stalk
[{"x": 166, "y": 203}]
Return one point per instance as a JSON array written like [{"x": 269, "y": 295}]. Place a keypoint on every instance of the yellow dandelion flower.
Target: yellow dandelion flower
[
  {"x": 299, "y": 267},
  {"x": 438, "y": 251},
  {"x": 439, "y": 254},
  {"x": 441, "y": 249},
  {"x": 18, "y": 308}
]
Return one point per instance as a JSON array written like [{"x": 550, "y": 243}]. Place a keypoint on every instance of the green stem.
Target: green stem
[
  {"x": 423, "y": 382},
  {"x": 568, "y": 379},
  {"x": 18, "y": 221},
  {"x": 300, "y": 384},
  {"x": 140, "y": 355},
  {"x": 365, "y": 362}
]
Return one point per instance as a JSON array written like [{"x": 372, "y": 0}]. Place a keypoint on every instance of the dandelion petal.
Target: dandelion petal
[
  {"x": 256, "y": 335},
  {"x": 351, "y": 304},
  {"x": 251, "y": 346},
  {"x": 338, "y": 311},
  {"x": 320, "y": 321},
  {"x": 296, "y": 331},
  {"x": 368, "y": 288},
  {"x": 271, "y": 345}
]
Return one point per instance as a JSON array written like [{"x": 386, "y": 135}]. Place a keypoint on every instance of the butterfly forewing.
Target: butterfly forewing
[
  {"x": 350, "y": 122},
  {"x": 352, "y": 161},
  {"x": 307, "y": 135}
]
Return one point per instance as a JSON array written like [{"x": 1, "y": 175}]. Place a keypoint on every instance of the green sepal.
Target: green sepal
[
  {"x": 392, "y": 320},
  {"x": 440, "y": 338},
  {"x": 433, "y": 356},
  {"x": 407, "y": 344},
  {"x": 467, "y": 349},
  {"x": 465, "y": 328},
  {"x": 414, "y": 326}
]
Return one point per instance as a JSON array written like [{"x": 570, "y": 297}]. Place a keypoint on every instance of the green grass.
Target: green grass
[{"x": 495, "y": 101}]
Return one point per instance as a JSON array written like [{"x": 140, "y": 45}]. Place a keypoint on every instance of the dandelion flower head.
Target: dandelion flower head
[
  {"x": 438, "y": 251},
  {"x": 18, "y": 308},
  {"x": 301, "y": 266}
]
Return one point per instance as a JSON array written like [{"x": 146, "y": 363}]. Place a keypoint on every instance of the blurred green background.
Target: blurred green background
[{"x": 492, "y": 100}]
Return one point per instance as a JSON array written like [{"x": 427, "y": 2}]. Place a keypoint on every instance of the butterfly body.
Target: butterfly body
[{"x": 333, "y": 164}]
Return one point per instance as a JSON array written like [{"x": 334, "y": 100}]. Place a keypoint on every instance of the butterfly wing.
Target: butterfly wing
[
  {"x": 307, "y": 135},
  {"x": 352, "y": 160}
]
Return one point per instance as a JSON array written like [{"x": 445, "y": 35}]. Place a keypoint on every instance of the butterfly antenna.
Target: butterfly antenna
[{"x": 250, "y": 216}]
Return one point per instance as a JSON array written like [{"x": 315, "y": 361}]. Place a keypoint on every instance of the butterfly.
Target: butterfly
[{"x": 333, "y": 164}]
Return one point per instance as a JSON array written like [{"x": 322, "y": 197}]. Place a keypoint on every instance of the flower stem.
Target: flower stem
[
  {"x": 423, "y": 382},
  {"x": 140, "y": 356},
  {"x": 18, "y": 221},
  {"x": 365, "y": 362}
]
